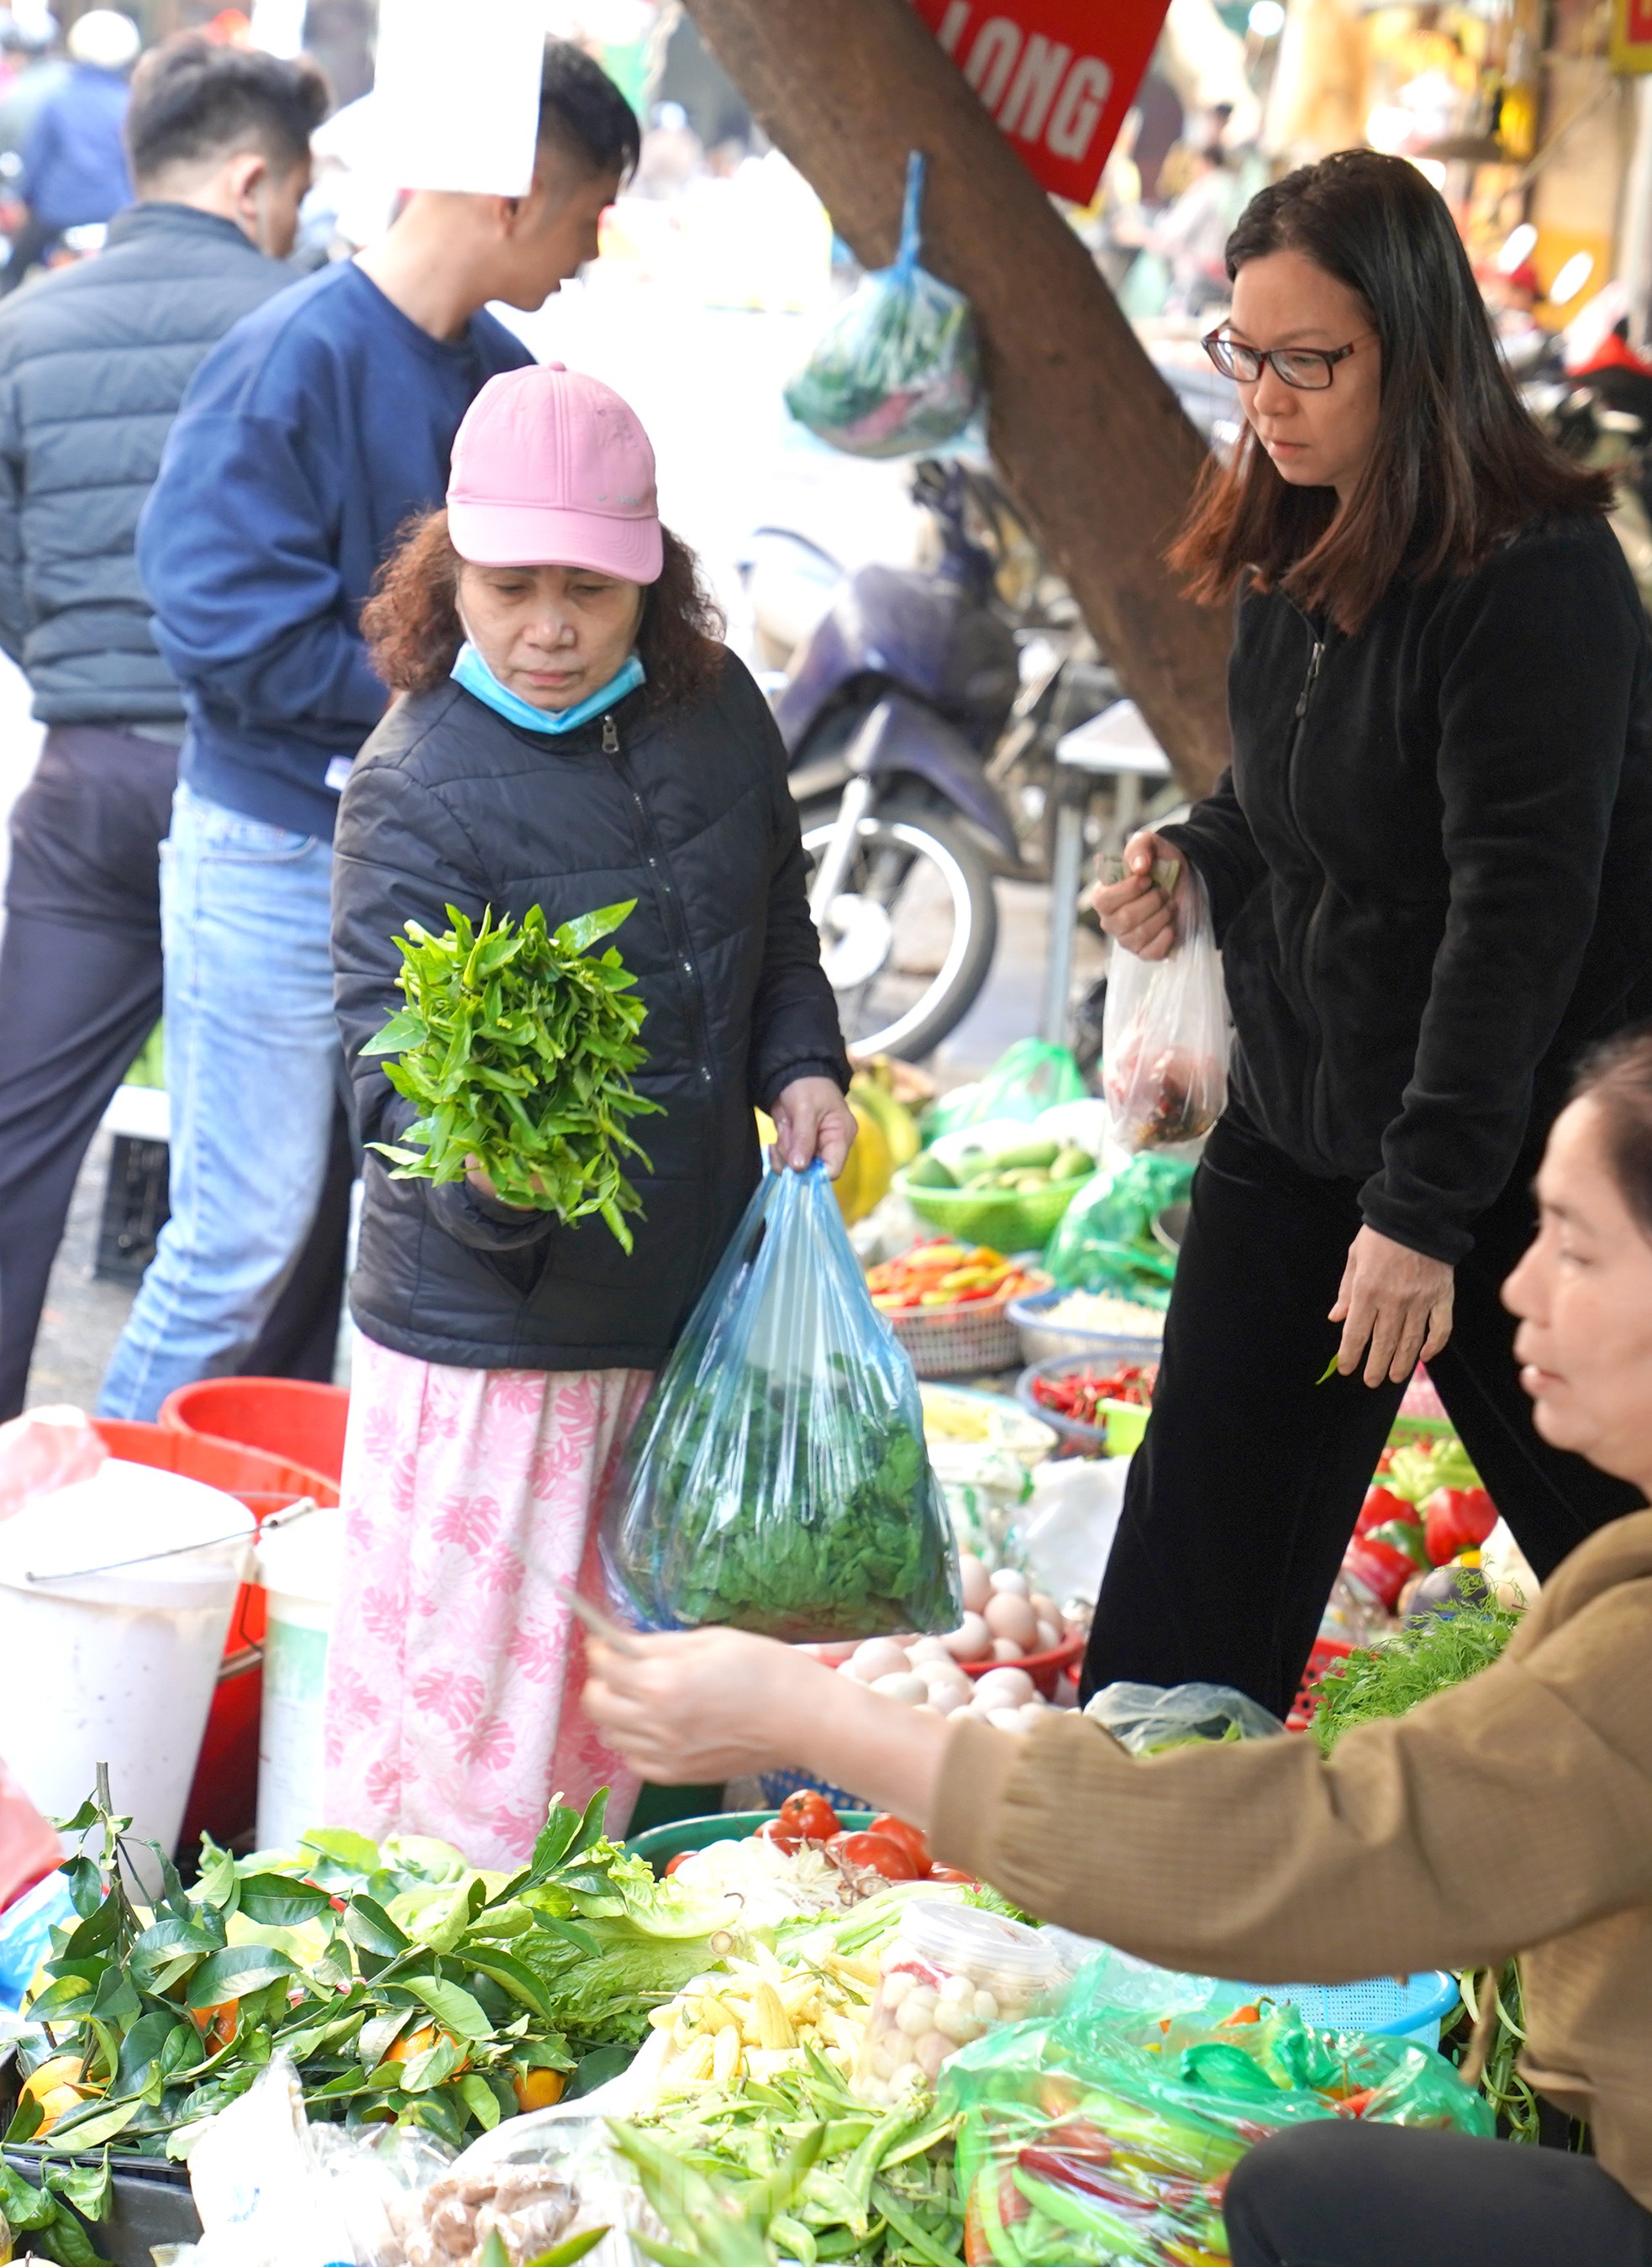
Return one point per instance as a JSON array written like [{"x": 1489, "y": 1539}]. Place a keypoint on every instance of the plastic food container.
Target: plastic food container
[
  {"x": 949, "y": 1972},
  {"x": 1044, "y": 1340},
  {"x": 1126, "y": 1421}
]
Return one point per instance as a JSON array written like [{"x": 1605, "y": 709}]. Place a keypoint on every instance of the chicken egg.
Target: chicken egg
[
  {"x": 977, "y": 1583},
  {"x": 971, "y": 1640},
  {"x": 1003, "y": 1688},
  {"x": 904, "y": 1687},
  {"x": 1007, "y": 1579},
  {"x": 1049, "y": 1636},
  {"x": 1008, "y": 1720},
  {"x": 878, "y": 1656},
  {"x": 927, "y": 1649},
  {"x": 1005, "y": 1648},
  {"x": 1010, "y": 1615}
]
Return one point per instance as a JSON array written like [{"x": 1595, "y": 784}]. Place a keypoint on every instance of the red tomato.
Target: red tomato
[
  {"x": 771, "y": 1830},
  {"x": 878, "y": 1853},
  {"x": 908, "y": 1837},
  {"x": 952, "y": 1874},
  {"x": 1382, "y": 1504},
  {"x": 808, "y": 1816}
]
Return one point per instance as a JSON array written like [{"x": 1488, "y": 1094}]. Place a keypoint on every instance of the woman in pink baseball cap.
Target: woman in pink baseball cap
[{"x": 572, "y": 734}]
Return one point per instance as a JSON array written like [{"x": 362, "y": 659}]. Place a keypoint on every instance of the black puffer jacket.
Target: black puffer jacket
[
  {"x": 687, "y": 811},
  {"x": 93, "y": 363},
  {"x": 1430, "y": 868}
]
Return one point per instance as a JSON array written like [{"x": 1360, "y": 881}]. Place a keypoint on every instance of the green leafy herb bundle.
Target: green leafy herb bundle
[
  {"x": 817, "y": 1531},
  {"x": 403, "y": 1983},
  {"x": 1392, "y": 1678},
  {"x": 517, "y": 1046}
]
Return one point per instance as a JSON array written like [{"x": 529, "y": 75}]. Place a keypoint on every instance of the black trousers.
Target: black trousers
[
  {"x": 1341, "y": 2195},
  {"x": 1244, "y": 1493},
  {"x": 80, "y": 991}
]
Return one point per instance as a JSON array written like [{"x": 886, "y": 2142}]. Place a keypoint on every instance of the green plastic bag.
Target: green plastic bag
[
  {"x": 1105, "y": 1240},
  {"x": 1027, "y": 1079},
  {"x": 1104, "y": 2135},
  {"x": 897, "y": 372}
]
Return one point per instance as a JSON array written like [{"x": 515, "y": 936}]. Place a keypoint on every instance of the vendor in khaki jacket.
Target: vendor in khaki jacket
[{"x": 1511, "y": 1814}]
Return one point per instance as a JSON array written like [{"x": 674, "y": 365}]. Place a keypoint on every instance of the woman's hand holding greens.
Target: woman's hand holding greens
[
  {"x": 1136, "y": 913},
  {"x": 1394, "y": 1306},
  {"x": 813, "y": 1121}
]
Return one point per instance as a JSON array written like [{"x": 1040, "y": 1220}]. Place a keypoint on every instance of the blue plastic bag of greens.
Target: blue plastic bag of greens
[
  {"x": 777, "y": 1478},
  {"x": 897, "y": 372}
]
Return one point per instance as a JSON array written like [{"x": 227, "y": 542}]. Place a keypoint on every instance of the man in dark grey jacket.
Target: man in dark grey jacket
[{"x": 93, "y": 363}]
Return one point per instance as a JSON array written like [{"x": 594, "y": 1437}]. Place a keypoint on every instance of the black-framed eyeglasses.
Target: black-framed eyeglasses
[{"x": 1309, "y": 369}]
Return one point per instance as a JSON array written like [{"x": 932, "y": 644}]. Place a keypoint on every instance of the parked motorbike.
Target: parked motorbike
[{"x": 920, "y": 706}]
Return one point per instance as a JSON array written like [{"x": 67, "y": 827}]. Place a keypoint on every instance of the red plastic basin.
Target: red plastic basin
[{"x": 286, "y": 1417}]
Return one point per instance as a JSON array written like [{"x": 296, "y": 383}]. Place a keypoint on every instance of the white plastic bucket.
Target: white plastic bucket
[
  {"x": 115, "y": 1597},
  {"x": 299, "y": 1567}
]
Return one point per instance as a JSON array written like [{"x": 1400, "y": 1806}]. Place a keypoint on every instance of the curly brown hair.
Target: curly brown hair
[{"x": 412, "y": 626}]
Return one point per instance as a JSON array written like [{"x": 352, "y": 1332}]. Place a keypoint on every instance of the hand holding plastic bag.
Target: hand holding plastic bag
[
  {"x": 1165, "y": 1034},
  {"x": 777, "y": 1480},
  {"x": 897, "y": 372}
]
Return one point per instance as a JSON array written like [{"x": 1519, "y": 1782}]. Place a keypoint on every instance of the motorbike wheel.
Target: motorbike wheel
[{"x": 911, "y": 936}]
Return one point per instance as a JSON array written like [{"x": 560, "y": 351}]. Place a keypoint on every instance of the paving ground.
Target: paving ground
[{"x": 707, "y": 384}]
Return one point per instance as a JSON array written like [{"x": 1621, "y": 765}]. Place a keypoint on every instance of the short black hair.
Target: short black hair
[
  {"x": 583, "y": 113},
  {"x": 193, "y": 99}
]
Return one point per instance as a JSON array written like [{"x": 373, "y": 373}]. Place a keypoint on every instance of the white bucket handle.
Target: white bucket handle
[{"x": 301, "y": 1510}]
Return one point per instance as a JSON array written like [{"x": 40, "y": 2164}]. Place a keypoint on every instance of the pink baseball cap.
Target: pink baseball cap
[{"x": 551, "y": 469}]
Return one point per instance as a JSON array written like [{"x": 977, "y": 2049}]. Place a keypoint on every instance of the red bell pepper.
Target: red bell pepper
[
  {"x": 1380, "y": 1505},
  {"x": 1457, "y": 1519},
  {"x": 1384, "y": 1570}
]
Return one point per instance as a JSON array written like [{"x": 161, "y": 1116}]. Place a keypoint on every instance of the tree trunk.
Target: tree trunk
[{"x": 1091, "y": 440}]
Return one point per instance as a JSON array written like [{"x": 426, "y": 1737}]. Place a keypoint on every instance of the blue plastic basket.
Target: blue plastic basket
[
  {"x": 1413, "y": 2010},
  {"x": 777, "y": 1785}
]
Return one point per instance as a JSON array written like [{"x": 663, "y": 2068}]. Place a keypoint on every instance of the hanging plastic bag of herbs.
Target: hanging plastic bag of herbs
[
  {"x": 777, "y": 1478},
  {"x": 897, "y": 372}
]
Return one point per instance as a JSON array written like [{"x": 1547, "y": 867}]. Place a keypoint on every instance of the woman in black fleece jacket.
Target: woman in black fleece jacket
[{"x": 1430, "y": 871}]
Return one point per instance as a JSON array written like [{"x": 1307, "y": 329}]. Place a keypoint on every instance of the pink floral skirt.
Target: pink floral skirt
[{"x": 455, "y": 1668}]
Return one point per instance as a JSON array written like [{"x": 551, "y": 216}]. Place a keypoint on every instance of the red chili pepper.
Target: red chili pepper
[
  {"x": 1083, "y": 2175},
  {"x": 1354, "y": 2105}
]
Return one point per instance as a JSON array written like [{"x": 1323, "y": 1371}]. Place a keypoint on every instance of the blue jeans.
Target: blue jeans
[{"x": 251, "y": 1053}]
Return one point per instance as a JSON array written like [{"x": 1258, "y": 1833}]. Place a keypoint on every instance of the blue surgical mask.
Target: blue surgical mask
[{"x": 473, "y": 672}]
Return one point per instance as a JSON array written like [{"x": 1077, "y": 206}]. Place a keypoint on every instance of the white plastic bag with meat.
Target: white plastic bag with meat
[
  {"x": 45, "y": 1451},
  {"x": 1164, "y": 1033}
]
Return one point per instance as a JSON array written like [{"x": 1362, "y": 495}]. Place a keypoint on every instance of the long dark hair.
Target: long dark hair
[
  {"x": 1457, "y": 463},
  {"x": 413, "y": 632}
]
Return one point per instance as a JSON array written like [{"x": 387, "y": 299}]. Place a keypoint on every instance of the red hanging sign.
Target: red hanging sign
[{"x": 1057, "y": 75}]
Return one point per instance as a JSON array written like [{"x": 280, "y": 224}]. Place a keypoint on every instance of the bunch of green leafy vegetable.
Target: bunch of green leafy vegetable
[
  {"x": 797, "y": 2165},
  {"x": 1417, "y": 1468},
  {"x": 404, "y": 1985},
  {"x": 1390, "y": 1679},
  {"x": 44, "y": 2214},
  {"x": 820, "y": 1521},
  {"x": 518, "y": 1047}
]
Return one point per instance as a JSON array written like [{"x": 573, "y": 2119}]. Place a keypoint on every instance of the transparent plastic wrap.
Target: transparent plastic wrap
[
  {"x": 1105, "y": 1242},
  {"x": 548, "y": 2185},
  {"x": 1165, "y": 1034},
  {"x": 951, "y": 1972},
  {"x": 1148, "y": 1718},
  {"x": 1105, "y": 2136},
  {"x": 897, "y": 372},
  {"x": 777, "y": 1478}
]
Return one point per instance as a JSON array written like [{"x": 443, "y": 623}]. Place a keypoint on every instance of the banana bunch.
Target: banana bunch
[{"x": 758, "y": 2017}]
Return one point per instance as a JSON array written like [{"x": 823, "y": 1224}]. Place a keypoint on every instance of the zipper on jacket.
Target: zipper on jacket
[
  {"x": 657, "y": 866},
  {"x": 1306, "y": 694}
]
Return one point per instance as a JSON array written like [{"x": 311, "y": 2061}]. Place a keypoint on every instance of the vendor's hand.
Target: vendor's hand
[
  {"x": 699, "y": 1705},
  {"x": 813, "y": 1121},
  {"x": 1136, "y": 913},
  {"x": 1394, "y": 1306}
]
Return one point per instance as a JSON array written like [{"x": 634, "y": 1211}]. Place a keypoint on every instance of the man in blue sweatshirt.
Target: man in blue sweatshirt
[{"x": 315, "y": 428}]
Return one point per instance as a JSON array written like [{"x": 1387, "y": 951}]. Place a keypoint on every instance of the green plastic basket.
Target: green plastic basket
[
  {"x": 661, "y": 1843},
  {"x": 1009, "y": 1220}
]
